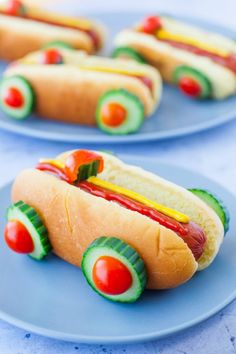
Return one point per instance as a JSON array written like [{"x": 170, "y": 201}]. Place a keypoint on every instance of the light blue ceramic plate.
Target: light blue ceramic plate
[
  {"x": 53, "y": 299},
  {"x": 177, "y": 115}
]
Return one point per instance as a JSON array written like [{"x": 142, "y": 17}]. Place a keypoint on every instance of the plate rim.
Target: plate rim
[
  {"x": 132, "y": 138},
  {"x": 129, "y": 339}
]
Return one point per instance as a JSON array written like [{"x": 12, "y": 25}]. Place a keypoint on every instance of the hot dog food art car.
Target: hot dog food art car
[
  {"x": 200, "y": 63},
  {"x": 71, "y": 86},
  {"x": 24, "y": 29},
  {"x": 128, "y": 229}
]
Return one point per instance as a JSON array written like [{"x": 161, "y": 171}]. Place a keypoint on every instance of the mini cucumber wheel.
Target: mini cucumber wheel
[
  {"x": 214, "y": 203},
  {"x": 114, "y": 269},
  {"x": 57, "y": 44},
  {"x": 16, "y": 97},
  {"x": 192, "y": 82},
  {"x": 25, "y": 232},
  {"x": 119, "y": 112},
  {"x": 128, "y": 53}
]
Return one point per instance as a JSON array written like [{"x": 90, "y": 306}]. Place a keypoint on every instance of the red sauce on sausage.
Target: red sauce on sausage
[
  {"x": 229, "y": 62},
  {"x": 190, "y": 232}
]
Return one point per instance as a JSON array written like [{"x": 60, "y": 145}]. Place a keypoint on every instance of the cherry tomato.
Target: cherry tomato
[
  {"x": 151, "y": 24},
  {"x": 113, "y": 114},
  {"x": 14, "y": 8},
  {"x": 18, "y": 237},
  {"x": 79, "y": 158},
  {"x": 51, "y": 56},
  {"x": 190, "y": 87},
  {"x": 13, "y": 97},
  {"x": 111, "y": 276}
]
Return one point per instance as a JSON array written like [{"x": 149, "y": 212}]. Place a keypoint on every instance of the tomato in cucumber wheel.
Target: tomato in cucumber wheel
[
  {"x": 119, "y": 112},
  {"x": 114, "y": 269},
  {"x": 16, "y": 97},
  {"x": 192, "y": 82},
  {"x": 25, "y": 231}
]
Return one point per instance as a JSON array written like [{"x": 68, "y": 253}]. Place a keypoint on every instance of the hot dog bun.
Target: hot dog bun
[
  {"x": 166, "y": 58},
  {"x": 75, "y": 218},
  {"x": 103, "y": 64},
  {"x": 71, "y": 94},
  {"x": 169, "y": 194},
  {"x": 21, "y": 36}
]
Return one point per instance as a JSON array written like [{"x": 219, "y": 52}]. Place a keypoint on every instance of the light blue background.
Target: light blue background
[{"x": 212, "y": 153}]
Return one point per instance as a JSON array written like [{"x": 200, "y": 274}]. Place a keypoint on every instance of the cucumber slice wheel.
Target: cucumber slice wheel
[
  {"x": 215, "y": 204},
  {"x": 27, "y": 215},
  {"x": 192, "y": 82},
  {"x": 127, "y": 117},
  {"x": 128, "y": 53},
  {"x": 57, "y": 44},
  {"x": 117, "y": 249},
  {"x": 16, "y": 97}
]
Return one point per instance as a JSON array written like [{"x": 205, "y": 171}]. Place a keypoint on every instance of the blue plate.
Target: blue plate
[
  {"x": 177, "y": 115},
  {"x": 52, "y": 297}
]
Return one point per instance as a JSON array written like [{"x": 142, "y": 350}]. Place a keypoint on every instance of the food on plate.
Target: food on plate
[
  {"x": 71, "y": 86},
  {"x": 202, "y": 64},
  {"x": 127, "y": 228},
  {"x": 25, "y": 29}
]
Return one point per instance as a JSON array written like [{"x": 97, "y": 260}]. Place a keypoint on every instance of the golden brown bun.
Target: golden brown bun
[
  {"x": 69, "y": 94},
  {"x": 19, "y": 37},
  {"x": 75, "y": 218},
  {"x": 166, "y": 59}
]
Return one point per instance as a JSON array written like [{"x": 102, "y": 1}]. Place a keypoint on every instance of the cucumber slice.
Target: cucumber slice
[
  {"x": 200, "y": 78},
  {"x": 116, "y": 248},
  {"x": 57, "y": 44},
  {"x": 23, "y": 86},
  {"x": 88, "y": 170},
  {"x": 133, "y": 107},
  {"x": 30, "y": 219},
  {"x": 128, "y": 53},
  {"x": 215, "y": 204}
]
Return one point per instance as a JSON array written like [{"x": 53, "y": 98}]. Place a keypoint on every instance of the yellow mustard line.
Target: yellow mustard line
[
  {"x": 163, "y": 34},
  {"x": 139, "y": 198},
  {"x": 111, "y": 70}
]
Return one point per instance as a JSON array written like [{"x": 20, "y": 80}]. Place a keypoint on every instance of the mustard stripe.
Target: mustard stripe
[
  {"x": 139, "y": 198},
  {"x": 163, "y": 34}
]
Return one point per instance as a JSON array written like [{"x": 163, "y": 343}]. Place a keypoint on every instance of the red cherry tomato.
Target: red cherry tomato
[
  {"x": 111, "y": 276},
  {"x": 190, "y": 87},
  {"x": 18, "y": 237},
  {"x": 14, "y": 8},
  {"x": 151, "y": 24},
  {"x": 79, "y": 158},
  {"x": 113, "y": 114},
  {"x": 51, "y": 56},
  {"x": 13, "y": 97}
]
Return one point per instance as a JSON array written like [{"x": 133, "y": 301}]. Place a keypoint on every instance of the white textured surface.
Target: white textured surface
[{"x": 212, "y": 153}]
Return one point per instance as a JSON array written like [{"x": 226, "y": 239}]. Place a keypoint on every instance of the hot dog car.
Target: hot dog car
[
  {"x": 127, "y": 228},
  {"x": 200, "y": 63},
  {"x": 24, "y": 29},
  {"x": 71, "y": 86}
]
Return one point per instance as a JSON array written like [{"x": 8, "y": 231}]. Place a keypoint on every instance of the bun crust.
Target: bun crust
[
  {"x": 75, "y": 218},
  {"x": 166, "y": 59},
  {"x": 20, "y": 37},
  {"x": 66, "y": 93}
]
